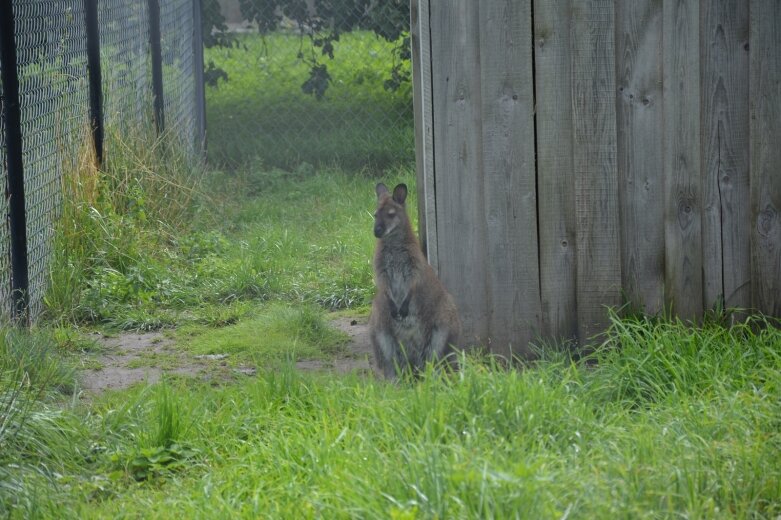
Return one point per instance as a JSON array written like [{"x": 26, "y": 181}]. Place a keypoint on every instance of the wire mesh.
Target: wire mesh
[
  {"x": 54, "y": 100},
  {"x": 125, "y": 64},
  {"x": 5, "y": 235},
  {"x": 53, "y": 91},
  {"x": 176, "y": 30},
  {"x": 318, "y": 82}
]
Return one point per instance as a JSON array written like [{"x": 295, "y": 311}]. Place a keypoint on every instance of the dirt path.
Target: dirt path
[{"x": 132, "y": 358}]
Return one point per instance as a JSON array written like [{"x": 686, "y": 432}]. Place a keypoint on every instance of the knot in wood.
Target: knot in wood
[{"x": 766, "y": 221}]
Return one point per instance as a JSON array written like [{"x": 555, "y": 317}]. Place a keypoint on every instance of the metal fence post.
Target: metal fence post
[
  {"x": 12, "y": 118},
  {"x": 200, "y": 95},
  {"x": 157, "y": 64},
  {"x": 94, "y": 75}
]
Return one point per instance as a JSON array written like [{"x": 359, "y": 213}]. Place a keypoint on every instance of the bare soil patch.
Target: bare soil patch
[
  {"x": 358, "y": 356},
  {"x": 132, "y": 358},
  {"x": 129, "y": 358}
]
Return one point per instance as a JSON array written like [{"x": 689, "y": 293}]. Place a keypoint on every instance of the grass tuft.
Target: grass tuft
[{"x": 644, "y": 360}]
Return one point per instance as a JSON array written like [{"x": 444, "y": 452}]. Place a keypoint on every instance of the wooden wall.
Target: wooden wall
[{"x": 578, "y": 155}]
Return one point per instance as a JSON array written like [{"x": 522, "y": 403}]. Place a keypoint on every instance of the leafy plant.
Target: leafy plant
[
  {"x": 149, "y": 463},
  {"x": 321, "y": 23}
]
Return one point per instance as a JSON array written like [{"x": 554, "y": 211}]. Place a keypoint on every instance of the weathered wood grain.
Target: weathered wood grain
[
  {"x": 460, "y": 211},
  {"x": 594, "y": 155},
  {"x": 507, "y": 95},
  {"x": 683, "y": 197},
  {"x": 765, "y": 128},
  {"x": 640, "y": 152},
  {"x": 555, "y": 173},
  {"x": 726, "y": 255},
  {"x": 424, "y": 130}
]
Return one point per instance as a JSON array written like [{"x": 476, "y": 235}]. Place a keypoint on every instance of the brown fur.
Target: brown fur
[{"x": 414, "y": 319}]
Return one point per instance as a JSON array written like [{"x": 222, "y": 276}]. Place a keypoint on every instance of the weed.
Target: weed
[{"x": 113, "y": 223}]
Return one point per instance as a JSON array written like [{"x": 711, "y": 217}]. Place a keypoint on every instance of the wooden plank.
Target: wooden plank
[
  {"x": 765, "y": 226},
  {"x": 594, "y": 154},
  {"x": 507, "y": 95},
  {"x": 424, "y": 145},
  {"x": 640, "y": 151},
  {"x": 725, "y": 151},
  {"x": 683, "y": 208},
  {"x": 460, "y": 211},
  {"x": 555, "y": 171}
]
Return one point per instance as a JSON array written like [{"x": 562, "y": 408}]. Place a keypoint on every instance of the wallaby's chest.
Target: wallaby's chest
[{"x": 397, "y": 270}]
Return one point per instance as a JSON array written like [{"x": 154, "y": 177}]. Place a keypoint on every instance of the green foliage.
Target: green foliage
[
  {"x": 32, "y": 376},
  {"x": 159, "y": 450},
  {"x": 113, "y": 221},
  {"x": 322, "y": 22},
  {"x": 261, "y": 114},
  {"x": 149, "y": 463},
  {"x": 287, "y": 333},
  {"x": 127, "y": 260},
  {"x": 27, "y": 358}
]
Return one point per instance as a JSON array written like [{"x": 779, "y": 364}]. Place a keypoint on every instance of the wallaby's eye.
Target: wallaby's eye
[{"x": 391, "y": 212}]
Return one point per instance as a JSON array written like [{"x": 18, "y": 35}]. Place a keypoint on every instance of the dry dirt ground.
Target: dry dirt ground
[{"x": 132, "y": 358}]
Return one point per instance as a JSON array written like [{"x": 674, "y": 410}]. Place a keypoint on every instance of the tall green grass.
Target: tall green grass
[
  {"x": 116, "y": 224},
  {"x": 151, "y": 241},
  {"x": 557, "y": 438},
  {"x": 33, "y": 379}
]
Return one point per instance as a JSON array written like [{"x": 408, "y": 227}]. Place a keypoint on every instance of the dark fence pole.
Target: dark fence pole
[
  {"x": 157, "y": 63},
  {"x": 200, "y": 96},
  {"x": 12, "y": 119},
  {"x": 95, "y": 82}
]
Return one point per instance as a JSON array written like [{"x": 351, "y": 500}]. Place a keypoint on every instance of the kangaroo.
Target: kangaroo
[{"x": 413, "y": 318}]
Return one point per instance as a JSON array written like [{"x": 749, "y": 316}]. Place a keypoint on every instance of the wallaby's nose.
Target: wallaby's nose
[{"x": 378, "y": 230}]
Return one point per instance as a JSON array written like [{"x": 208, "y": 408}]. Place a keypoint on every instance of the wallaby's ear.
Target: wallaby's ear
[
  {"x": 400, "y": 193},
  {"x": 381, "y": 190}
]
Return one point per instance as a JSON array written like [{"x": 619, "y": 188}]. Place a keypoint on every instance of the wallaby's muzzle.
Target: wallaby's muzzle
[{"x": 379, "y": 230}]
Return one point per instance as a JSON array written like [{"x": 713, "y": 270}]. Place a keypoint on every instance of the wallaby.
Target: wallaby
[{"x": 413, "y": 319}]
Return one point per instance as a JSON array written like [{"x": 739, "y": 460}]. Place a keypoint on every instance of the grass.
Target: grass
[
  {"x": 556, "y": 438},
  {"x": 261, "y": 114},
  {"x": 288, "y": 333},
  {"x": 301, "y": 237}
]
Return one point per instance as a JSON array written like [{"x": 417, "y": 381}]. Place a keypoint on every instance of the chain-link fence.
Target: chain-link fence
[
  {"x": 54, "y": 98},
  {"x": 125, "y": 63},
  {"x": 176, "y": 34},
  {"x": 5, "y": 234},
  {"x": 53, "y": 89},
  {"x": 317, "y": 81}
]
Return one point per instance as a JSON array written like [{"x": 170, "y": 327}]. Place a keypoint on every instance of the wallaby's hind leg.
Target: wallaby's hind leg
[
  {"x": 441, "y": 345},
  {"x": 386, "y": 352}
]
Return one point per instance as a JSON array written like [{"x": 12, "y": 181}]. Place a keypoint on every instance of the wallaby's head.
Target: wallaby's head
[{"x": 390, "y": 209}]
